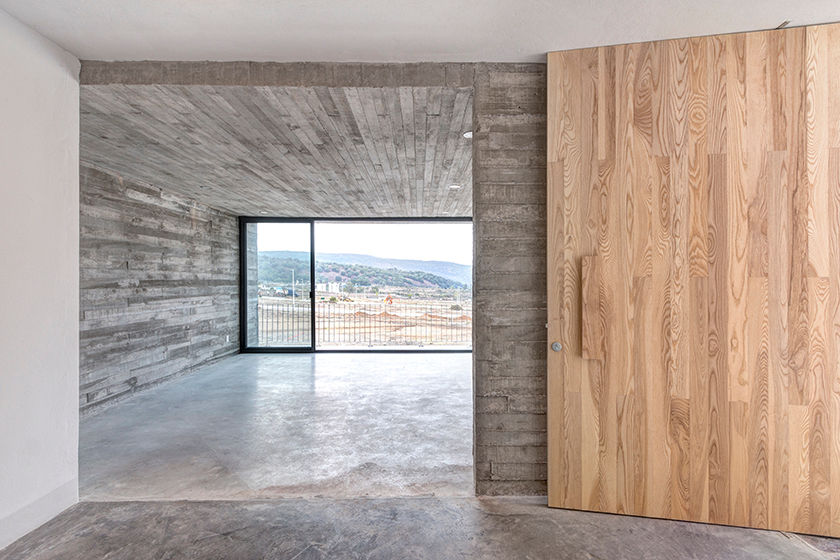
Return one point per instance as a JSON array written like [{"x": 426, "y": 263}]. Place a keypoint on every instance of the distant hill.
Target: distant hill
[
  {"x": 276, "y": 267},
  {"x": 460, "y": 273}
]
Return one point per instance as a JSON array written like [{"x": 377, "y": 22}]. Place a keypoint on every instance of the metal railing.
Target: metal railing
[
  {"x": 364, "y": 324},
  {"x": 284, "y": 322}
]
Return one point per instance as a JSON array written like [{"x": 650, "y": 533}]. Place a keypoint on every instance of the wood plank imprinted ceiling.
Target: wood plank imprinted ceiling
[{"x": 288, "y": 151}]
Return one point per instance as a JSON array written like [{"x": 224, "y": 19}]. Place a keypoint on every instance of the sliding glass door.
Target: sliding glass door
[
  {"x": 277, "y": 295},
  {"x": 372, "y": 285},
  {"x": 393, "y": 285}
]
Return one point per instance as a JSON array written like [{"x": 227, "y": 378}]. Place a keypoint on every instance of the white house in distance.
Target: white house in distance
[{"x": 328, "y": 287}]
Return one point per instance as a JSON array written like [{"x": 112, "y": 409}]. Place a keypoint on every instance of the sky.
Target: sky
[{"x": 426, "y": 241}]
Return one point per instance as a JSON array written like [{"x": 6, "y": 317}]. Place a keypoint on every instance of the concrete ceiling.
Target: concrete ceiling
[
  {"x": 288, "y": 151},
  {"x": 388, "y": 30}
]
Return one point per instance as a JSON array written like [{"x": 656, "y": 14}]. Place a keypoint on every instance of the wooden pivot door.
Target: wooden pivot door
[{"x": 694, "y": 279}]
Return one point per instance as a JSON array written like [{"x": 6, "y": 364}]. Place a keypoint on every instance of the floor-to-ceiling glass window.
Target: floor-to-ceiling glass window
[
  {"x": 378, "y": 284},
  {"x": 278, "y": 285},
  {"x": 393, "y": 285}
]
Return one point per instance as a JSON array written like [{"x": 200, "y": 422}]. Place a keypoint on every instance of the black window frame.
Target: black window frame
[{"x": 313, "y": 348}]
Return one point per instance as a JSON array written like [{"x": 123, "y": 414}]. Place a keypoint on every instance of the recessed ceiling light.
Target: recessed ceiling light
[
  {"x": 454, "y": 187},
  {"x": 263, "y": 212},
  {"x": 468, "y": 134}
]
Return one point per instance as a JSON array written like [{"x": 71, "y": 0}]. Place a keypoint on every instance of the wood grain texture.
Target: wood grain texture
[
  {"x": 591, "y": 316},
  {"x": 288, "y": 151},
  {"x": 704, "y": 175}
]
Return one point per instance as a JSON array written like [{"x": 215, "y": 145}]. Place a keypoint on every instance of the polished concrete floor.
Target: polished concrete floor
[
  {"x": 333, "y": 456},
  {"x": 257, "y": 426},
  {"x": 388, "y": 528}
]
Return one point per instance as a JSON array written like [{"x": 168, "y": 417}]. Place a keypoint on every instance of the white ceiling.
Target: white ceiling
[{"x": 388, "y": 30}]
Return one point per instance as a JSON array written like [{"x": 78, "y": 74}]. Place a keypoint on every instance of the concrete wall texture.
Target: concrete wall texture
[
  {"x": 509, "y": 350},
  {"x": 159, "y": 286},
  {"x": 509, "y": 192},
  {"x": 39, "y": 279},
  {"x": 252, "y": 275}
]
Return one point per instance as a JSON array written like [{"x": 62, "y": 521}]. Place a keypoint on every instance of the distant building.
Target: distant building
[{"x": 328, "y": 287}]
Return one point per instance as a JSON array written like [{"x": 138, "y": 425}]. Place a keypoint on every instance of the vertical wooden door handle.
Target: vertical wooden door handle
[{"x": 591, "y": 329}]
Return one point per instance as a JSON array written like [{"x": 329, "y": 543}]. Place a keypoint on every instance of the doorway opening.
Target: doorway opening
[
  {"x": 355, "y": 285},
  {"x": 318, "y": 402}
]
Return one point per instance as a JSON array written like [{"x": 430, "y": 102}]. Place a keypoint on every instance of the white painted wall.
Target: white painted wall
[{"x": 39, "y": 279}]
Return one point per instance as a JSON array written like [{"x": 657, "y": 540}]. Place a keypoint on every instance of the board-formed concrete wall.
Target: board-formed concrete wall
[
  {"x": 509, "y": 350},
  {"x": 159, "y": 293},
  {"x": 252, "y": 275},
  {"x": 509, "y": 193}
]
